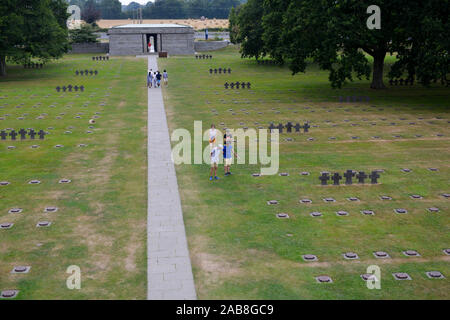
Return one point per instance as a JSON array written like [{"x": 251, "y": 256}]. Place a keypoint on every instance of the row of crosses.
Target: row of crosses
[
  {"x": 354, "y": 99},
  {"x": 69, "y": 88},
  {"x": 348, "y": 175},
  {"x": 232, "y": 85},
  {"x": 220, "y": 70},
  {"x": 32, "y": 65},
  {"x": 289, "y": 127},
  {"x": 203, "y": 56},
  {"x": 100, "y": 58},
  {"x": 22, "y": 133},
  {"x": 267, "y": 62},
  {"x": 86, "y": 72},
  {"x": 401, "y": 82}
]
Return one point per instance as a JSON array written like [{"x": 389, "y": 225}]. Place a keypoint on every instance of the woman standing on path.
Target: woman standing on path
[
  {"x": 149, "y": 79},
  {"x": 165, "y": 77}
]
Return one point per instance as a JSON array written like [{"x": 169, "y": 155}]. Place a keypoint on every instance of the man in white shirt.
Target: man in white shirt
[{"x": 215, "y": 152}]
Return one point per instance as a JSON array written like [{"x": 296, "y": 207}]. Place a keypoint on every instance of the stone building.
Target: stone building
[{"x": 138, "y": 39}]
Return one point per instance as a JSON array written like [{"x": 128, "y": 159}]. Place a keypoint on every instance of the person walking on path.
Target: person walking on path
[
  {"x": 166, "y": 77},
  {"x": 154, "y": 79},
  {"x": 158, "y": 79},
  {"x": 150, "y": 79}
]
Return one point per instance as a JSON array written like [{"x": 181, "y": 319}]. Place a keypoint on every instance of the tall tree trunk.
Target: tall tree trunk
[
  {"x": 2, "y": 66},
  {"x": 378, "y": 66}
]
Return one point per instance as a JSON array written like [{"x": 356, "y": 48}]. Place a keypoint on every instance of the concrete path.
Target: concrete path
[{"x": 169, "y": 272}]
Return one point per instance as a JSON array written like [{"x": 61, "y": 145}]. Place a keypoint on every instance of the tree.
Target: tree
[
  {"x": 110, "y": 9},
  {"x": 32, "y": 31},
  {"x": 250, "y": 29},
  {"x": 334, "y": 34},
  {"x": 83, "y": 35},
  {"x": 90, "y": 12}
]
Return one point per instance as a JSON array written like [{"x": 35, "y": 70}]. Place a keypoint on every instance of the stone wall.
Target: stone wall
[
  {"x": 210, "y": 45},
  {"x": 89, "y": 48},
  {"x": 212, "y": 35}
]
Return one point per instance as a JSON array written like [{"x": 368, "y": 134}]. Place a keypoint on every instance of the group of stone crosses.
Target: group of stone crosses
[
  {"x": 86, "y": 72},
  {"x": 69, "y": 88},
  {"x": 354, "y": 99},
  {"x": 396, "y": 82},
  {"x": 22, "y": 133},
  {"x": 236, "y": 85},
  {"x": 100, "y": 58},
  {"x": 32, "y": 65},
  {"x": 219, "y": 70},
  {"x": 348, "y": 175},
  {"x": 289, "y": 127},
  {"x": 267, "y": 62},
  {"x": 203, "y": 56}
]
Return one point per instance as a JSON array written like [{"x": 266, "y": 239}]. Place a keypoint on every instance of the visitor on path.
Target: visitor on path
[
  {"x": 150, "y": 79},
  {"x": 158, "y": 78},
  {"x": 154, "y": 80},
  {"x": 165, "y": 77},
  {"x": 214, "y": 161},
  {"x": 227, "y": 153},
  {"x": 212, "y": 136}
]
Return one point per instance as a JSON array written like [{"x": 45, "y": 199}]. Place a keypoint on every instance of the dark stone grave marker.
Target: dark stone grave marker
[
  {"x": 350, "y": 256},
  {"x": 341, "y": 213},
  {"x": 411, "y": 253},
  {"x": 315, "y": 214},
  {"x": 324, "y": 177},
  {"x": 349, "y": 174},
  {"x": 361, "y": 176},
  {"x": 374, "y": 176},
  {"x": 336, "y": 178},
  {"x": 309, "y": 257},
  {"x": 324, "y": 279},
  {"x": 434, "y": 275}
]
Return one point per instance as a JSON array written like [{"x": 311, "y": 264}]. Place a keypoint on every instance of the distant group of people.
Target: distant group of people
[{"x": 154, "y": 78}]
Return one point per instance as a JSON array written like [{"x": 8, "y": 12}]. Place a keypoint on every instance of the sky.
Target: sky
[{"x": 126, "y": 2}]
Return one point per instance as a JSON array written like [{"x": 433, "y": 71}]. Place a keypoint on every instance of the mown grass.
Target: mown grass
[
  {"x": 101, "y": 222},
  {"x": 240, "y": 250}
]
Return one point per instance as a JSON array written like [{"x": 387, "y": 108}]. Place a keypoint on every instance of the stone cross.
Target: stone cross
[
  {"x": 348, "y": 176},
  {"x": 23, "y": 134},
  {"x": 41, "y": 134},
  {"x": 289, "y": 127},
  {"x": 226, "y": 85},
  {"x": 373, "y": 177},
  {"x": 280, "y": 128},
  {"x": 32, "y": 134},
  {"x": 3, "y": 135},
  {"x": 361, "y": 176},
  {"x": 306, "y": 126},
  {"x": 297, "y": 127},
  {"x": 336, "y": 177},
  {"x": 13, "y": 135},
  {"x": 324, "y": 179}
]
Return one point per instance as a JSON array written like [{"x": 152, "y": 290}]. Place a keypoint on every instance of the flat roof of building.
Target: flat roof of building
[{"x": 156, "y": 25}]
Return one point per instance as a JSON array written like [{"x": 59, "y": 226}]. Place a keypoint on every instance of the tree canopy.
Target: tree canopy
[
  {"x": 335, "y": 35},
  {"x": 34, "y": 29},
  {"x": 159, "y": 9}
]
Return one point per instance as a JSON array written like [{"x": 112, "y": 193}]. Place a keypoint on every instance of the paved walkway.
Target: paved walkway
[{"x": 169, "y": 272}]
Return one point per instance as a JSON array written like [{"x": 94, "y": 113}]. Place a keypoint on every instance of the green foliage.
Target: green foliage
[
  {"x": 83, "y": 35},
  {"x": 250, "y": 29},
  {"x": 35, "y": 29},
  {"x": 335, "y": 35}
]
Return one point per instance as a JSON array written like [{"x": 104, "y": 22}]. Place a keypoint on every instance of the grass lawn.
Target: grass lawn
[
  {"x": 100, "y": 224},
  {"x": 240, "y": 250}
]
